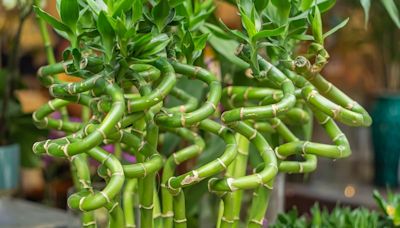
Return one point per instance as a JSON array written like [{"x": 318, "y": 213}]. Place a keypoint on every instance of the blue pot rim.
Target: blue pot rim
[
  {"x": 11, "y": 147},
  {"x": 389, "y": 96}
]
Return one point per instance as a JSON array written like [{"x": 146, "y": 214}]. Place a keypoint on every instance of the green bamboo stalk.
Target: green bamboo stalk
[
  {"x": 128, "y": 198},
  {"x": 169, "y": 168},
  {"x": 235, "y": 169},
  {"x": 212, "y": 168},
  {"x": 183, "y": 119}
]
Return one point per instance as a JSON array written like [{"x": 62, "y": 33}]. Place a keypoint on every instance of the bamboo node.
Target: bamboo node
[
  {"x": 113, "y": 207},
  {"x": 337, "y": 137},
  {"x": 221, "y": 129},
  {"x": 81, "y": 203},
  {"x": 329, "y": 88},
  {"x": 191, "y": 179},
  {"x": 278, "y": 155},
  {"x": 146, "y": 207},
  {"x": 325, "y": 120},
  {"x": 65, "y": 150},
  {"x": 175, "y": 159},
  {"x": 261, "y": 222},
  {"x": 304, "y": 147},
  {"x": 212, "y": 105},
  {"x": 268, "y": 186},
  {"x": 241, "y": 113},
  {"x": 179, "y": 220},
  {"x": 221, "y": 162},
  {"x": 254, "y": 135},
  {"x": 227, "y": 221},
  {"x": 183, "y": 120},
  {"x": 105, "y": 196},
  {"x": 301, "y": 167},
  {"x": 274, "y": 109},
  {"x": 60, "y": 124},
  {"x": 144, "y": 169},
  {"x": 168, "y": 214},
  {"x": 182, "y": 108},
  {"x": 260, "y": 178},
  {"x": 336, "y": 112},
  {"x": 89, "y": 223},
  {"x": 311, "y": 94},
  {"x": 229, "y": 182},
  {"x": 50, "y": 103}
]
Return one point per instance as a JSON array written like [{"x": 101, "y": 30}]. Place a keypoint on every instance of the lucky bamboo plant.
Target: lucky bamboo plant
[{"x": 131, "y": 56}]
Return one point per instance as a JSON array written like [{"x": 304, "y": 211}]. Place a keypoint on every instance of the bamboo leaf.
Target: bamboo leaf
[
  {"x": 122, "y": 6},
  {"x": 269, "y": 33},
  {"x": 156, "y": 45},
  {"x": 56, "y": 24},
  {"x": 200, "y": 41},
  {"x": 336, "y": 28},
  {"x": 97, "y": 6},
  {"x": 69, "y": 12},
  {"x": 248, "y": 25},
  {"x": 279, "y": 11},
  {"x": 366, "y": 5},
  {"x": 317, "y": 26},
  {"x": 137, "y": 10},
  {"x": 325, "y": 5},
  {"x": 217, "y": 31},
  {"x": 107, "y": 33},
  {"x": 260, "y": 5},
  {"x": 306, "y": 4},
  {"x": 380, "y": 201},
  {"x": 392, "y": 10},
  {"x": 225, "y": 48},
  {"x": 174, "y": 3},
  {"x": 159, "y": 13},
  {"x": 235, "y": 34},
  {"x": 304, "y": 37}
]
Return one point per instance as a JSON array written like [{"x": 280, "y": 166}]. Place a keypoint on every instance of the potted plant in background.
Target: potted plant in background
[
  {"x": 132, "y": 55},
  {"x": 17, "y": 133},
  {"x": 384, "y": 23}
]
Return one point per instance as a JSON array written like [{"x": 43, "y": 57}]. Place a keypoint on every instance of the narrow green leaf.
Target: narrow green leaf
[
  {"x": 246, "y": 6},
  {"x": 336, "y": 28},
  {"x": 282, "y": 4},
  {"x": 156, "y": 45},
  {"x": 392, "y": 10},
  {"x": 217, "y": 31},
  {"x": 279, "y": 11},
  {"x": 248, "y": 25},
  {"x": 238, "y": 35},
  {"x": 226, "y": 48},
  {"x": 303, "y": 37},
  {"x": 325, "y": 5},
  {"x": 137, "y": 10},
  {"x": 260, "y": 5},
  {"x": 366, "y": 5},
  {"x": 69, "y": 12},
  {"x": 97, "y": 6},
  {"x": 122, "y": 6},
  {"x": 159, "y": 13},
  {"x": 106, "y": 32},
  {"x": 268, "y": 33},
  {"x": 56, "y": 24},
  {"x": 317, "y": 26},
  {"x": 200, "y": 41},
  {"x": 306, "y": 4},
  {"x": 380, "y": 201},
  {"x": 174, "y": 3}
]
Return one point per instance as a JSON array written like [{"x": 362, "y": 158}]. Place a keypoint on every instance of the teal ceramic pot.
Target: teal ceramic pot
[
  {"x": 9, "y": 167},
  {"x": 386, "y": 139}
]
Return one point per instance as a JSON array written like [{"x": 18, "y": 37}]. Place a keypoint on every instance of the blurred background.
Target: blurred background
[{"x": 364, "y": 63}]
